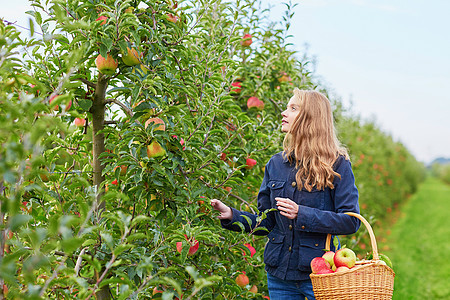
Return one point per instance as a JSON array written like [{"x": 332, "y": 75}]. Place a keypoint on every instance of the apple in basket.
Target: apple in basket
[
  {"x": 329, "y": 257},
  {"x": 319, "y": 265},
  {"x": 344, "y": 257}
]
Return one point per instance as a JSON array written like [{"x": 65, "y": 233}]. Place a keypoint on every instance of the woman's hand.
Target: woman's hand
[
  {"x": 287, "y": 207},
  {"x": 225, "y": 212}
]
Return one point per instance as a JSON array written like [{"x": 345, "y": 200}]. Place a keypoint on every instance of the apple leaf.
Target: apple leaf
[
  {"x": 336, "y": 242},
  {"x": 85, "y": 104},
  {"x": 17, "y": 221}
]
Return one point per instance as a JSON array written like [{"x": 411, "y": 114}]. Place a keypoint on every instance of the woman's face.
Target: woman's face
[{"x": 289, "y": 114}]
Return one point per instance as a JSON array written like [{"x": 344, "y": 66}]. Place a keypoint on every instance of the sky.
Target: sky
[{"x": 388, "y": 61}]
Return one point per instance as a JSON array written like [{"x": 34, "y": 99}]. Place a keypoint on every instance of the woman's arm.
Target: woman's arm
[{"x": 230, "y": 216}]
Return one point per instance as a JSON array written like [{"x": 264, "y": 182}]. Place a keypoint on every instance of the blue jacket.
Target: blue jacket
[{"x": 292, "y": 244}]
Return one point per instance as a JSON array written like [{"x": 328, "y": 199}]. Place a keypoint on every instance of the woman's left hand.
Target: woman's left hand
[{"x": 287, "y": 207}]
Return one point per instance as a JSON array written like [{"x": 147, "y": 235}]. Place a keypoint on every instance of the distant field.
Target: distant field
[{"x": 420, "y": 244}]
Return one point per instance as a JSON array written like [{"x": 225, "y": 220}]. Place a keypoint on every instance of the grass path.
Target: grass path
[{"x": 420, "y": 244}]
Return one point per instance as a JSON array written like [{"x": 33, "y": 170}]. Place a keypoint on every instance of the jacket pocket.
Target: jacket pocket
[
  {"x": 272, "y": 252},
  {"x": 310, "y": 248},
  {"x": 276, "y": 188}
]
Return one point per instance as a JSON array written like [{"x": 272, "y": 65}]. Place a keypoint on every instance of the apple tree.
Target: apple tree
[{"x": 119, "y": 121}]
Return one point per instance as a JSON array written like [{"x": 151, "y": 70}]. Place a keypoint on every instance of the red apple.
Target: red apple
[
  {"x": 132, "y": 57},
  {"x": 106, "y": 65},
  {"x": 155, "y": 149},
  {"x": 123, "y": 169},
  {"x": 250, "y": 163},
  {"x": 253, "y": 289},
  {"x": 181, "y": 141},
  {"x": 79, "y": 122},
  {"x": 251, "y": 248},
  {"x": 236, "y": 87},
  {"x": 161, "y": 127},
  {"x": 172, "y": 18},
  {"x": 223, "y": 156},
  {"x": 69, "y": 105},
  {"x": 193, "y": 245},
  {"x": 319, "y": 265},
  {"x": 329, "y": 257},
  {"x": 242, "y": 280},
  {"x": 255, "y": 102},
  {"x": 345, "y": 257},
  {"x": 246, "y": 40},
  {"x": 342, "y": 269},
  {"x": 156, "y": 291},
  {"x": 53, "y": 98},
  {"x": 103, "y": 19}
]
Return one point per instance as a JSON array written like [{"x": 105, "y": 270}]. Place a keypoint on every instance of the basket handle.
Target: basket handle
[{"x": 373, "y": 241}]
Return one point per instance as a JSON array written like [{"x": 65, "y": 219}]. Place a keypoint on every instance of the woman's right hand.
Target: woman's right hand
[{"x": 225, "y": 212}]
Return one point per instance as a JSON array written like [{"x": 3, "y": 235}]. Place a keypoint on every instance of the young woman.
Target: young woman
[{"x": 311, "y": 185}]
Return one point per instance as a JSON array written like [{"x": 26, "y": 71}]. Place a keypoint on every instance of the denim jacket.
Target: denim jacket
[{"x": 292, "y": 244}]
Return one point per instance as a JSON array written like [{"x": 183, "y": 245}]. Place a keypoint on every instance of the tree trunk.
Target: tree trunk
[{"x": 98, "y": 142}]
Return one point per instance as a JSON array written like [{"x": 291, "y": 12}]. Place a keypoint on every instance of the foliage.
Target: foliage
[
  {"x": 441, "y": 171},
  {"x": 87, "y": 212}
]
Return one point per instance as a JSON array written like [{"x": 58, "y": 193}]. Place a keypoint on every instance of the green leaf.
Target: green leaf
[
  {"x": 18, "y": 221},
  {"x": 85, "y": 104}
]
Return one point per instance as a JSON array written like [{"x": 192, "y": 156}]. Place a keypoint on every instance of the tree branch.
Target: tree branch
[{"x": 127, "y": 110}]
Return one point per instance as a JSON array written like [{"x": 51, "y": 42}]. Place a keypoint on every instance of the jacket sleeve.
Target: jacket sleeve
[
  {"x": 345, "y": 198},
  {"x": 263, "y": 204}
]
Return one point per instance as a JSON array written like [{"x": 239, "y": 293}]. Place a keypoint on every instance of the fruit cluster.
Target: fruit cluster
[{"x": 344, "y": 259}]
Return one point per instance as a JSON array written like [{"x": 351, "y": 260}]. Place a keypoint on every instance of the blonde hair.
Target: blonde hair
[{"x": 312, "y": 141}]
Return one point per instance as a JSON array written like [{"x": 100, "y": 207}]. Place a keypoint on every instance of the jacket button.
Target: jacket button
[
  {"x": 273, "y": 239},
  {"x": 303, "y": 227},
  {"x": 273, "y": 184},
  {"x": 290, "y": 248},
  {"x": 317, "y": 245},
  {"x": 290, "y": 227},
  {"x": 294, "y": 183}
]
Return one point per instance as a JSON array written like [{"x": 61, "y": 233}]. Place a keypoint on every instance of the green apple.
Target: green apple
[
  {"x": 132, "y": 57},
  {"x": 155, "y": 150}
]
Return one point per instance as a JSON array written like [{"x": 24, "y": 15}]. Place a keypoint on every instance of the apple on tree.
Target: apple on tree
[
  {"x": 193, "y": 245},
  {"x": 246, "y": 40},
  {"x": 236, "y": 87},
  {"x": 132, "y": 57},
  {"x": 155, "y": 149},
  {"x": 161, "y": 127},
  {"x": 172, "y": 18},
  {"x": 255, "y": 102},
  {"x": 242, "y": 280},
  {"x": 250, "y": 248},
  {"x": 106, "y": 65},
  {"x": 79, "y": 122},
  {"x": 250, "y": 163},
  {"x": 53, "y": 98},
  {"x": 103, "y": 19}
]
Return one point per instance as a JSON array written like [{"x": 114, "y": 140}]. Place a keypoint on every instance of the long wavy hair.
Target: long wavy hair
[{"x": 312, "y": 142}]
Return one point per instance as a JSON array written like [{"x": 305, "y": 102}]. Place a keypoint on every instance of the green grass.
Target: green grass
[{"x": 420, "y": 244}]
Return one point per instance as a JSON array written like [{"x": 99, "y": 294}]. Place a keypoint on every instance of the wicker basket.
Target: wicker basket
[{"x": 368, "y": 279}]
